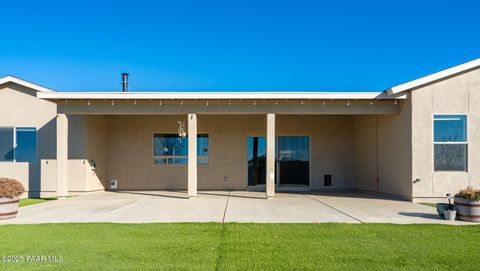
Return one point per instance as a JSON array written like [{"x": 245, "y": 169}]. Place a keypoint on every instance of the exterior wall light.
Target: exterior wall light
[{"x": 181, "y": 129}]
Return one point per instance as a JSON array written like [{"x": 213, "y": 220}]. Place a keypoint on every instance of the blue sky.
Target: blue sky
[{"x": 235, "y": 45}]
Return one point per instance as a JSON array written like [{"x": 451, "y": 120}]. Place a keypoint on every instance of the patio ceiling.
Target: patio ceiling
[{"x": 230, "y": 106}]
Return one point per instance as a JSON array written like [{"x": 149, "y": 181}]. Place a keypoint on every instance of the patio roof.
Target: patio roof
[{"x": 218, "y": 96}]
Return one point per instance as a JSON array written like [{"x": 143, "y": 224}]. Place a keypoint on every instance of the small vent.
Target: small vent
[{"x": 327, "y": 180}]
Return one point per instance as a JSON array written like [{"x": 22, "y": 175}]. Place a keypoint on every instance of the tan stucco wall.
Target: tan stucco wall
[
  {"x": 19, "y": 107},
  {"x": 395, "y": 152},
  {"x": 96, "y": 150},
  {"x": 79, "y": 177},
  {"x": 130, "y": 149},
  {"x": 17, "y": 171},
  {"x": 383, "y": 151},
  {"x": 88, "y": 143},
  {"x": 365, "y": 136},
  {"x": 456, "y": 95}
]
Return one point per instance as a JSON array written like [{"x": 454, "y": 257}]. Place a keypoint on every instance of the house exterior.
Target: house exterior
[{"x": 417, "y": 140}]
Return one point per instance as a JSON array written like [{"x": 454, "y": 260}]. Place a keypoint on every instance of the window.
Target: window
[
  {"x": 257, "y": 156},
  {"x": 6, "y": 144},
  {"x": 450, "y": 142},
  {"x": 18, "y": 144},
  {"x": 173, "y": 149},
  {"x": 26, "y": 150}
]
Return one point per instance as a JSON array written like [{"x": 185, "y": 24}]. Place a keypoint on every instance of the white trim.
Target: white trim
[
  {"x": 450, "y": 143},
  {"x": 217, "y": 95},
  {"x": 11, "y": 79},
  {"x": 434, "y": 77},
  {"x": 15, "y": 144}
]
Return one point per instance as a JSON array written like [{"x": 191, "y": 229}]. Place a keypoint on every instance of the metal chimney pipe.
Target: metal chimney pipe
[{"x": 125, "y": 82}]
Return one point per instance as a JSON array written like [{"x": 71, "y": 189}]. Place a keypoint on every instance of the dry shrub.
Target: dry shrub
[
  {"x": 10, "y": 188},
  {"x": 469, "y": 193}
]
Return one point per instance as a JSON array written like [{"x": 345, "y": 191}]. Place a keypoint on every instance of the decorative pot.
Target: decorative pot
[
  {"x": 450, "y": 214},
  {"x": 467, "y": 210},
  {"x": 8, "y": 207},
  {"x": 441, "y": 207}
]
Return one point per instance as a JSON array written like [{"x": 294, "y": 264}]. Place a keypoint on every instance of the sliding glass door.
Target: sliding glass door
[
  {"x": 292, "y": 161},
  {"x": 256, "y": 160}
]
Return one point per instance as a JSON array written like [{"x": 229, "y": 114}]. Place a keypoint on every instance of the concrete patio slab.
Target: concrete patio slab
[
  {"x": 285, "y": 208},
  {"x": 224, "y": 206},
  {"x": 373, "y": 208}
]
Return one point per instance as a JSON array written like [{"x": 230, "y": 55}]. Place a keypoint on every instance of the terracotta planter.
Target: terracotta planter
[{"x": 467, "y": 210}]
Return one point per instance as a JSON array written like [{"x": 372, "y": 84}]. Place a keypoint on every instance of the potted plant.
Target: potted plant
[
  {"x": 467, "y": 202},
  {"x": 10, "y": 191},
  {"x": 450, "y": 213},
  {"x": 441, "y": 207}
]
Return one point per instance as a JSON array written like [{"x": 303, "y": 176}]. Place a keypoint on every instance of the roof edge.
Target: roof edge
[
  {"x": 218, "y": 95},
  {"x": 434, "y": 77},
  {"x": 13, "y": 79}
]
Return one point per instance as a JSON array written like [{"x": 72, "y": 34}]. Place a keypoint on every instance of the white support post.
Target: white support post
[
  {"x": 270, "y": 186},
  {"x": 192, "y": 155},
  {"x": 62, "y": 156}
]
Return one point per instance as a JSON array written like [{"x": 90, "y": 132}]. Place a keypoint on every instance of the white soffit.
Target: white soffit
[
  {"x": 11, "y": 79},
  {"x": 434, "y": 77},
  {"x": 217, "y": 95}
]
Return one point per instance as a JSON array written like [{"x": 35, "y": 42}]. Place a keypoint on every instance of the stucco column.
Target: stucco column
[
  {"x": 62, "y": 155},
  {"x": 270, "y": 185},
  {"x": 192, "y": 155}
]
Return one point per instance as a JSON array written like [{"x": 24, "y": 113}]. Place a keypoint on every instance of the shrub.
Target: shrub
[
  {"x": 469, "y": 193},
  {"x": 10, "y": 188}
]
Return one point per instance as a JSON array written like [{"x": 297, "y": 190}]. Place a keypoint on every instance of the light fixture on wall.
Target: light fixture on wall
[
  {"x": 181, "y": 129},
  {"x": 348, "y": 103},
  {"x": 160, "y": 102},
  {"x": 113, "y": 102},
  {"x": 88, "y": 102}
]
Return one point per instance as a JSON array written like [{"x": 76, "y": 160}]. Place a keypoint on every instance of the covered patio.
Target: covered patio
[{"x": 266, "y": 142}]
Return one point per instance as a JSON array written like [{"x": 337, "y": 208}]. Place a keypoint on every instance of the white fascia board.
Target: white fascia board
[
  {"x": 434, "y": 77},
  {"x": 9, "y": 78},
  {"x": 217, "y": 95}
]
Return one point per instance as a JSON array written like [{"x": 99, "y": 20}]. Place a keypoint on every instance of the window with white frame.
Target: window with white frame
[
  {"x": 450, "y": 142},
  {"x": 18, "y": 144},
  {"x": 173, "y": 149}
]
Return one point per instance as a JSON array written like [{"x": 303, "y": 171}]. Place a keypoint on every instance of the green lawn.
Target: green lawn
[
  {"x": 209, "y": 246},
  {"x": 26, "y": 202}
]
